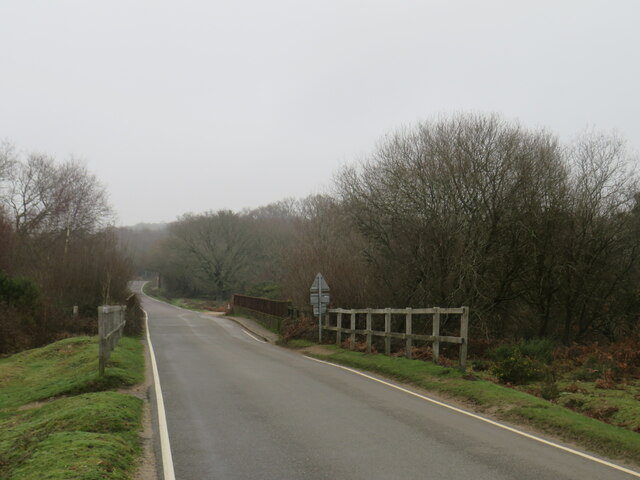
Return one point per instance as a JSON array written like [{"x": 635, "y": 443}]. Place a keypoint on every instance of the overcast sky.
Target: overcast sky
[{"x": 187, "y": 106}]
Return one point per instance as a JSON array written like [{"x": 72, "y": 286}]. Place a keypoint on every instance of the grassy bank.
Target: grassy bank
[
  {"x": 59, "y": 421},
  {"x": 502, "y": 402}
]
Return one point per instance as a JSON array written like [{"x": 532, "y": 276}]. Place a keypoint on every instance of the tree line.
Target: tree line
[
  {"x": 58, "y": 249},
  {"x": 540, "y": 238}
]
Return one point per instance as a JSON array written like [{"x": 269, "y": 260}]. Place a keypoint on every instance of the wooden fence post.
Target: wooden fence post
[
  {"x": 409, "y": 342},
  {"x": 387, "y": 330},
  {"x": 339, "y": 325},
  {"x": 464, "y": 334},
  {"x": 352, "y": 337},
  {"x": 102, "y": 347},
  {"x": 369, "y": 330},
  {"x": 435, "y": 346}
]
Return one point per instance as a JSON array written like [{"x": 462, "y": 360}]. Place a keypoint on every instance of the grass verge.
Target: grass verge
[
  {"x": 296, "y": 343},
  {"x": 502, "y": 402},
  {"x": 57, "y": 421}
]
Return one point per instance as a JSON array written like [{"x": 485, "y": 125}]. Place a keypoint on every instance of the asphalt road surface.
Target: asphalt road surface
[{"x": 238, "y": 408}]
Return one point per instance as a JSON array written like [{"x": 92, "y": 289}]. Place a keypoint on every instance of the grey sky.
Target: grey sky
[{"x": 186, "y": 106}]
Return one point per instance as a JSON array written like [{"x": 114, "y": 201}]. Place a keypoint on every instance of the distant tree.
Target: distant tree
[
  {"x": 217, "y": 248},
  {"x": 324, "y": 240},
  {"x": 141, "y": 244},
  {"x": 44, "y": 197},
  {"x": 54, "y": 233},
  {"x": 50, "y": 206}
]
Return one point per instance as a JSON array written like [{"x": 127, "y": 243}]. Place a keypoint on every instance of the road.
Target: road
[{"x": 239, "y": 408}]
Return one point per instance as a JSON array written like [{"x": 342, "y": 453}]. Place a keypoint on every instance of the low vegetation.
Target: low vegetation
[{"x": 58, "y": 419}]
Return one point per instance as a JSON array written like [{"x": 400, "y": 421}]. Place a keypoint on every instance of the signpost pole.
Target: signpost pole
[
  {"x": 320, "y": 312},
  {"x": 319, "y": 301}
]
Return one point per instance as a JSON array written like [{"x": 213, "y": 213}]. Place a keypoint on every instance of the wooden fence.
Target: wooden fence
[
  {"x": 111, "y": 321},
  {"x": 407, "y": 335}
]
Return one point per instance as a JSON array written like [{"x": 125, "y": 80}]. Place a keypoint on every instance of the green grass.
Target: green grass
[
  {"x": 297, "y": 343},
  {"x": 618, "y": 407},
  {"x": 67, "y": 367},
  {"x": 79, "y": 430},
  {"x": 80, "y": 455},
  {"x": 505, "y": 403}
]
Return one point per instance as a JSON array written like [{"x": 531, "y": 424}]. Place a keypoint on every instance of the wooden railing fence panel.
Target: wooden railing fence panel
[
  {"x": 111, "y": 322},
  {"x": 389, "y": 332}
]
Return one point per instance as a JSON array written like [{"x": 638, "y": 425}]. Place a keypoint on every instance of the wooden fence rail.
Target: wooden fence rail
[
  {"x": 111, "y": 321},
  {"x": 435, "y": 338}
]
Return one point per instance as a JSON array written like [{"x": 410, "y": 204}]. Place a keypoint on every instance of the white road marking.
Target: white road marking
[
  {"x": 253, "y": 336},
  {"x": 478, "y": 417},
  {"x": 165, "y": 446},
  {"x": 162, "y": 301},
  {"x": 205, "y": 317}
]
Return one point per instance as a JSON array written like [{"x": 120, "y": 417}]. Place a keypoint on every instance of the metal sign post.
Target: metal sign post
[{"x": 320, "y": 300}]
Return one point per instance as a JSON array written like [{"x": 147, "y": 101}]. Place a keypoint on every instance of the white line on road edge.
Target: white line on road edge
[
  {"x": 253, "y": 336},
  {"x": 478, "y": 417},
  {"x": 162, "y": 301},
  {"x": 165, "y": 446},
  {"x": 206, "y": 317}
]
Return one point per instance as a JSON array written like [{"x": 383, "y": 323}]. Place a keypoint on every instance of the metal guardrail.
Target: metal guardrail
[
  {"x": 435, "y": 338},
  {"x": 111, "y": 321}
]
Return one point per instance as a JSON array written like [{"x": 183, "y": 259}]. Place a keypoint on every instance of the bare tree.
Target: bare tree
[
  {"x": 47, "y": 198},
  {"x": 217, "y": 247},
  {"x": 324, "y": 241},
  {"x": 477, "y": 210},
  {"x": 8, "y": 160},
  {"x": 600, "y": 249}
]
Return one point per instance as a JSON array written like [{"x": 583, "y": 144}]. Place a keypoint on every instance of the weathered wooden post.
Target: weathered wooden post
[
  {"x": 464, "y": 334},
  {"x": 369, "y": 330},
  {"x": 387, "y": 331},
  {"x": 409, "y": 341},
  {"x": 352, "y": 337},
  {"x": 111, "y": 321},
  {"x": 102, "y": 347},
  {"x": 435, "y": 346},
  {"x": 123, "y": 319},
  {"x": 339, "y": 325}
]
